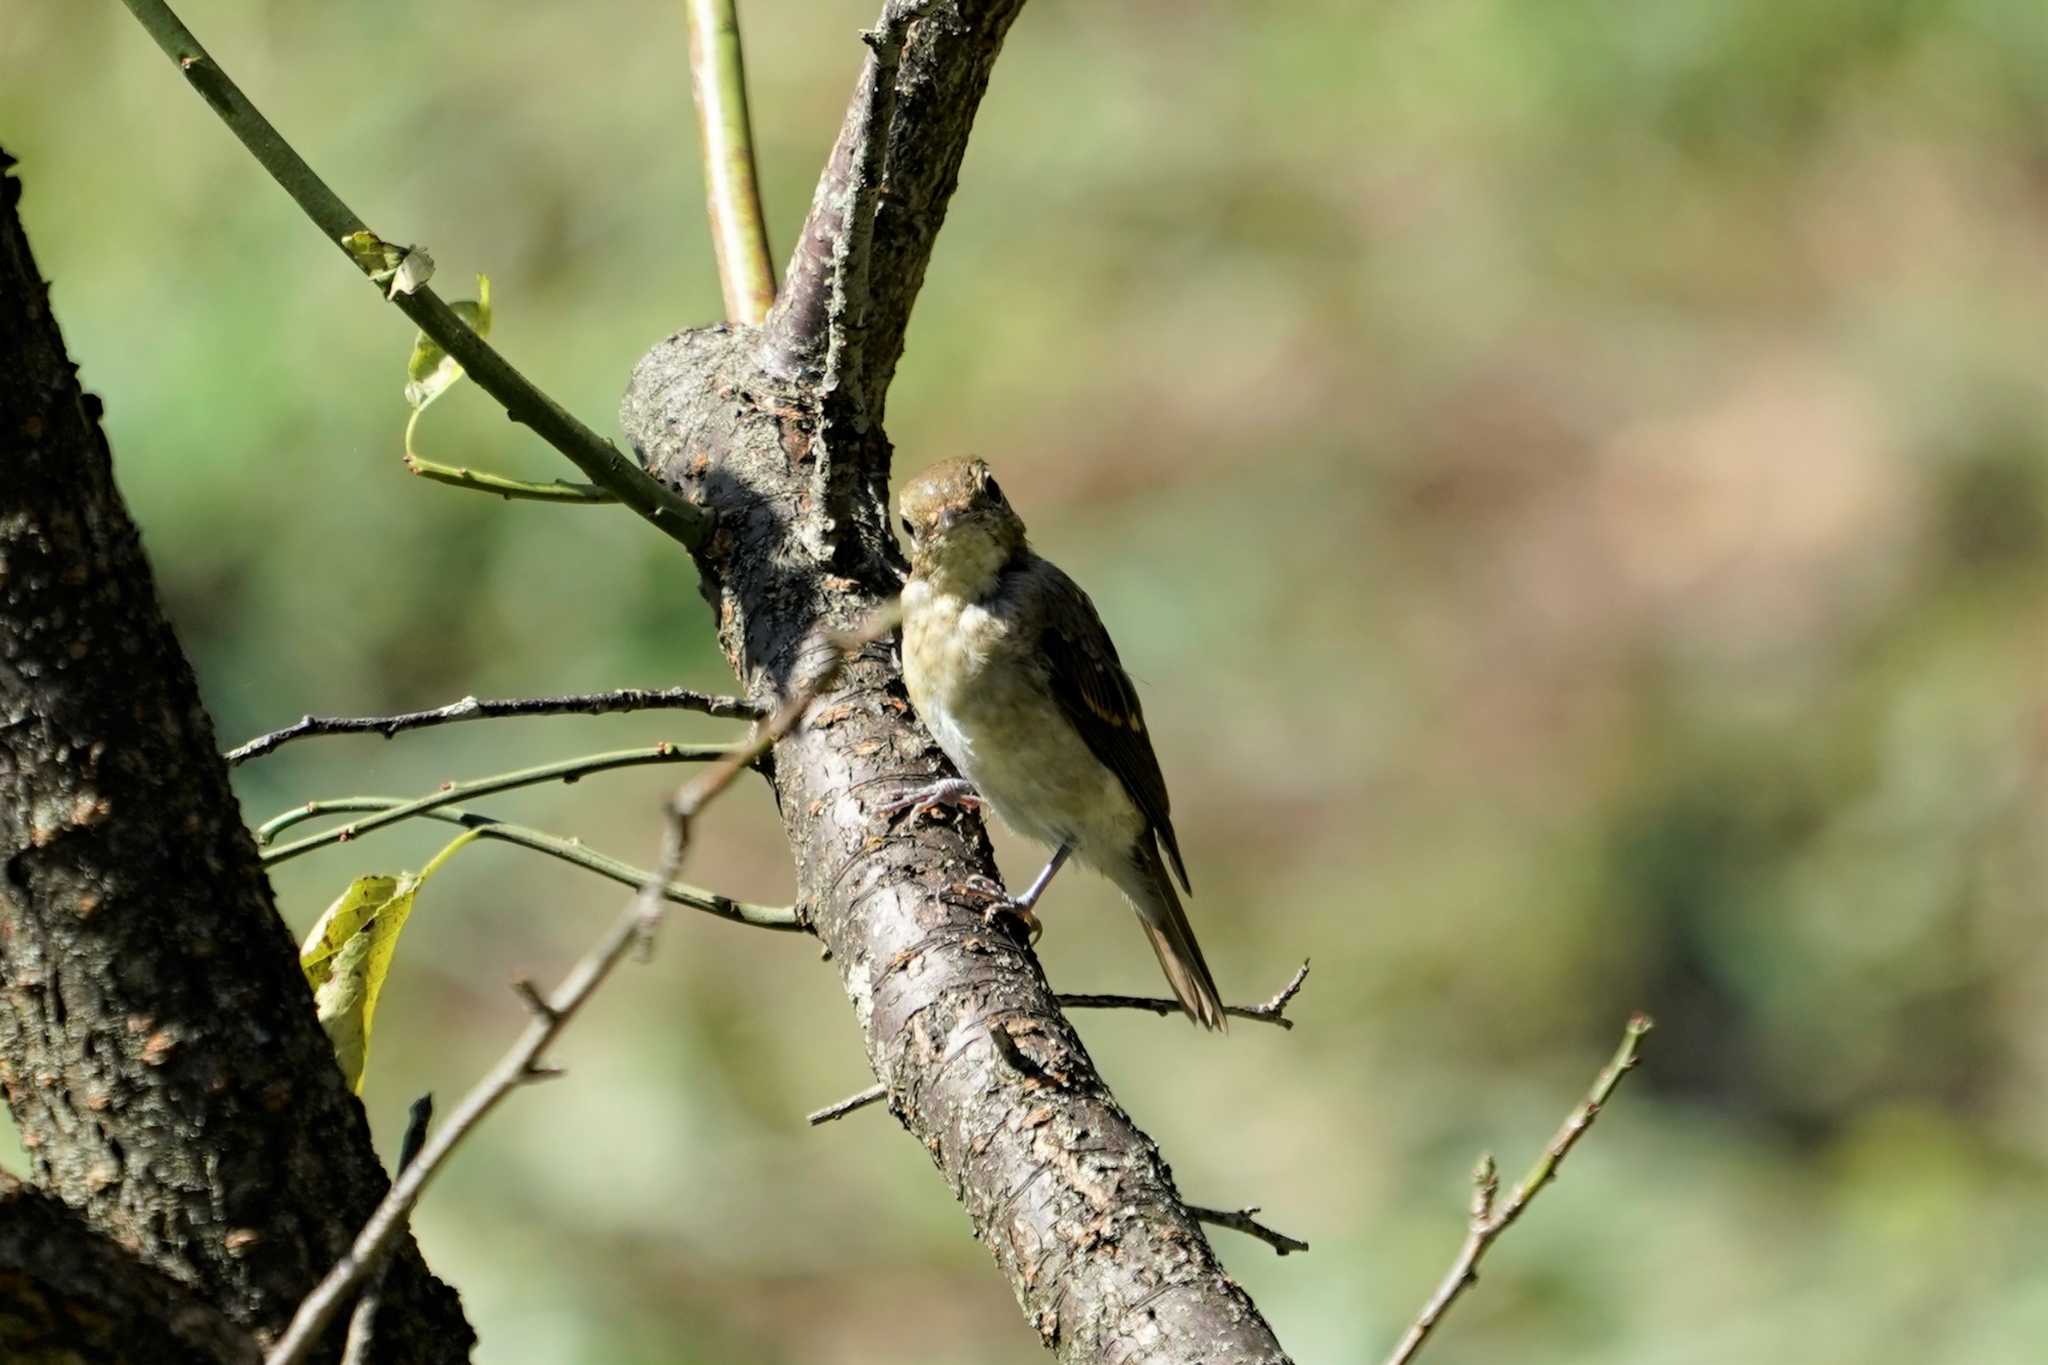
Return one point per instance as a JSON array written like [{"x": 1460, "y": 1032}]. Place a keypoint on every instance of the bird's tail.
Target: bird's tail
[{"x": 1152, "y": 895}]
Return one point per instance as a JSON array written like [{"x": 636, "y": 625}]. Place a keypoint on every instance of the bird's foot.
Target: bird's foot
[
  {"x": 948, "y": 791},
  {"x": 1000, "y": 905}
]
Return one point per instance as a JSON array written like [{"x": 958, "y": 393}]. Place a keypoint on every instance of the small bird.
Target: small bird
[{"x": 1011, "y": 670}]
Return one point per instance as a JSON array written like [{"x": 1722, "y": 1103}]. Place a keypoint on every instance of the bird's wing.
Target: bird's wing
[{"x": 1089, "y": 683}]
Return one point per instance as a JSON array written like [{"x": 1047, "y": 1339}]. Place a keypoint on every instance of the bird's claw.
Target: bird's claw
[
  {"x": 1001, "y": 905},
  {"x": 949, "y": 791}
]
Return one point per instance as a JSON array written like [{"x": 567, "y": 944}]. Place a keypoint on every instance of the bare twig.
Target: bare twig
[
  {"x": 517, "y": 1067},
  {"x": 521, "y": 1065},
  {"x": 568, "y": 770},
  {"x": 619, "y": 699},
  {"x": 1272, "y": 1012},
  {"x": 1488, "y": 1222},
  {"x": 598, "y": 458},
  {"x": 362, "y": 1324},
  {"x": 1241, "y": 1220},
  {"x": 839, "y": 1109},
  {"x": 718, "y": 82},
  {"x": 782, "y": 917},
  {"x": 416, "y": 1120}
]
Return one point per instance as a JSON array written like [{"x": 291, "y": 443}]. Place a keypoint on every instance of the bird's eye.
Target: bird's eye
[
  {"x": 991, "y": 487},
  {"x": 908, "y": 529}
]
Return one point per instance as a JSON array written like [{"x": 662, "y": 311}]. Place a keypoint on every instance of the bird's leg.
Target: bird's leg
[
  {"x": 1018, "y": 908},
  {"x": 947, "y": 791},
  {"x": 1022, "y": 904}
]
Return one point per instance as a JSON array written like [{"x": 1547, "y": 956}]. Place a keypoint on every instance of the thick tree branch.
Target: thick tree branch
[
  {"x": 1488, "y": 1222},
  {"x": 1072, "y": 1200},
  {"x": 812, "y": 334},
  {"x": 69, "y": 1294},
  {"x": 472, "y": 708},
  {"x": 599, "y": 459},
  {"x": 718, "y": 84},
  {"x": 1274, "y": 1011},
  {"x": 158, "y": 1043},
  {"x": 925, "y": 115}
]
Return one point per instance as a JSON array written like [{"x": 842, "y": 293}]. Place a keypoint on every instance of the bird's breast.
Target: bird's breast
[
  {"x": 951, "y": 652},
  {"x": 982, "y": 694}
]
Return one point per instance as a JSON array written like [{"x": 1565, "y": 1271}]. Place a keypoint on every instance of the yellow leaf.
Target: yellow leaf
[
  {"x": 346, "y": 957},
  {"x": 348, "y": 952},
  {"x": 431, "y": 371}
]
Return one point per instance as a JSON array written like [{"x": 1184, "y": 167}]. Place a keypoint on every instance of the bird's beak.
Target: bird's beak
[{"x": 948, "y": 517}]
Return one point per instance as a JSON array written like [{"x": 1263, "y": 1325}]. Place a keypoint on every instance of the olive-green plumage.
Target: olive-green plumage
[{"x": 1011, "y": 669}]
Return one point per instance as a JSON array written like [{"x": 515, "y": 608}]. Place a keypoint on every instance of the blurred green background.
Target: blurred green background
[{"x": 1570, "y": 477}]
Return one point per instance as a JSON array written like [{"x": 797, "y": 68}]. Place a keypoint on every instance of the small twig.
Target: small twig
[
  {"x": 517, "y": 1067},
  {"x": 1272, "y": 1012},
  {"x": 521, "y": 1065},
  {"x": 1241, "y": 1220},
  {"x": 619, "y": 699},
  {"x": 839, "y": 1109},
  {"x": 530, "y": 995},
  {"x": 568, "y": 770},
  {"x": 416, "y": 1120},
  {"x": 479, "y": 481},
  {"x": 782, "y": 917},
  {"x": 362, "y": 1324},
  {"x": 599, "y": 459},
  {"x": 718, "y": 81},
  {"x": 1488, "y": 1222}
]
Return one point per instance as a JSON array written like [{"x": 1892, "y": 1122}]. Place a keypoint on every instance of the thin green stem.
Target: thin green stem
[
  {"x": 568, "y": 770},
  {"x": 782, "y": 917},
  {"x": 598, "y": 458},
  {"x": 453, "y": 847},
  {"x": 725, "y": 132},
  {"x": 557, "y": 490}
]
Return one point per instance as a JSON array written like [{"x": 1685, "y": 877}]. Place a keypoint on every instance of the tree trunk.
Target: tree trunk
[
  {"x": 158, "y": 1045},
  {"x": 69, "y": 1295}
]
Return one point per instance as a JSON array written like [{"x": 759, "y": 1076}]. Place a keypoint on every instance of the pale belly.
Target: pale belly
[{"x": 1007, "y": 736}]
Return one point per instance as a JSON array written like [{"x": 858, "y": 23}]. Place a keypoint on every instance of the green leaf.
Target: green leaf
[
  {"x": 431, "y": 371},
  {"x": 373, "y": 255},
  {"x": 348, "y": 953}
]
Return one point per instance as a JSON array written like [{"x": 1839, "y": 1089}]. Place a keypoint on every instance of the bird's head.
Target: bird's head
[{"x": 960, "y": 525}]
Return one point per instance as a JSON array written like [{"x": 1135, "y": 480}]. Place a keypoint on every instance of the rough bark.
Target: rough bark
[
  {"x": 69, "y": 1296},
  {"x": 158, "y": 1045},
  {"x": 1071, "y": 1198},
  {"x": 944, "y": 73}
]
